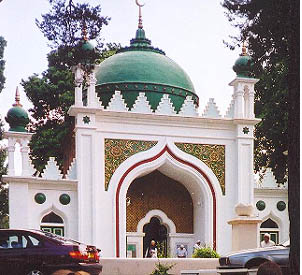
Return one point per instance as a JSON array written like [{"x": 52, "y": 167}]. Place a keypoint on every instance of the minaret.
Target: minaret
[{"x": 17, "y": 118}]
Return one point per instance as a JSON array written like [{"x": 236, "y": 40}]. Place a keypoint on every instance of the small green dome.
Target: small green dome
[
  {"x": 243, "y": 65},
  {"x": 87, "y": 46},
  {"x": 143, "y": 68},
  {"x": 17, "y": 117}
]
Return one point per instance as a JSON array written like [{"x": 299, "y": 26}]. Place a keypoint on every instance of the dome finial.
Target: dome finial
[
  {"x": 17, "y": 98},
  {"x": 140, "y": 20},
  {"x": 244, "y": 52},
  {"x": 84, "y": 31}
]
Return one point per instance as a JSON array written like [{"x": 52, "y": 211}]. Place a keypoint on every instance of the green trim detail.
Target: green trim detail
[
  {"x": 40, "y": 198},
  {"x": 260, "y": 205},
  {"x": 212, "y": 155},
  {"x": 281, "y": 205},
  {"x": 64, "y": 199}
]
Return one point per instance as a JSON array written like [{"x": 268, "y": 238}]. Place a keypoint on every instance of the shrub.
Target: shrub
[
  {"x": 162, "y": 269},
  {"x": 205, "y": 252}
]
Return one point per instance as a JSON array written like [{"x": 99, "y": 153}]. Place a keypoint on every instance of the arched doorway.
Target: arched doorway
[
  {"x": 197, "y": 178},
  {"x": 53, "y": 223},
  {"x": 156, "y": 231},
  {"x": 270, "y": 227}
]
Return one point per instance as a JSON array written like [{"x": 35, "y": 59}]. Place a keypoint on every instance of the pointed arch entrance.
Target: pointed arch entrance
[{"x": 184, "y": 167}]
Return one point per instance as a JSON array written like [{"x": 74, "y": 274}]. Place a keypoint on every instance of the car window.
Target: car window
[
  {"x": 15, "y": 241},
  {"x": 34, "y": 242}
]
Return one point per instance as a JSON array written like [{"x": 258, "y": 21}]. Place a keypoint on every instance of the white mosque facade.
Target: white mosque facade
[{"x": 147, "y": 165}]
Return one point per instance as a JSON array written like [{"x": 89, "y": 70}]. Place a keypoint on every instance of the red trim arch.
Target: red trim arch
[{"x": 121, "y": 181}]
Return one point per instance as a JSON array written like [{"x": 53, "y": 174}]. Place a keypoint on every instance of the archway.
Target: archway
[
  {"x": 156, "y": 231},
  {"x": 202, "y": 184},
  {"x": 53, "y": 223}
]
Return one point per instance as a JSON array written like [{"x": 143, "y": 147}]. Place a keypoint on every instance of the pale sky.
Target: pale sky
[{"x": 190, "y": 32}]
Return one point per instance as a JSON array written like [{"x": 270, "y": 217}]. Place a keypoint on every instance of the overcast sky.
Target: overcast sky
[{"x": 191, "y": 32}]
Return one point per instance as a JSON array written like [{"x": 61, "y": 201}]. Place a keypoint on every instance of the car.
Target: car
[
  {"x": 252, "y": 258},
  {"x": 35, "y": 252}
]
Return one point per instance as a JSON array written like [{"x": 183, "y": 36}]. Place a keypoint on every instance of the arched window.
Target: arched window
[
  {"x": 270, "y": 227},
  {"x": 53, "y": 223}
]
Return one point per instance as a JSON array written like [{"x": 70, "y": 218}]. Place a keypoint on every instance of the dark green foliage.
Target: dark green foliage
[
  {"x": 3, "y": 167},
  {"x": 2, "y": 62},
  {"x": 3, "y": 186},
  {"x": 205, "y": 252},
  {"x": 272, "y": 28},
  {"x": 264, "y": 25},
  {"x": 64, "y": 24},
  {"x": 53, "y": 93}
]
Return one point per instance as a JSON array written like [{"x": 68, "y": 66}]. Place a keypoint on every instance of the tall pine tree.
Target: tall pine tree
[
  {"x": 3, "y": 167},
  {"x": 53, "y": 93},
  {"x": 272, "y": 30}
]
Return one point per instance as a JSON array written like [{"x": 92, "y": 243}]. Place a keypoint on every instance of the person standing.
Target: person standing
[
  {"x": 196, "y": 246},
  {"x": 266, "y": 241},
  {"x": 151, "y": 251},
  {"x": 181, "y": 252}
]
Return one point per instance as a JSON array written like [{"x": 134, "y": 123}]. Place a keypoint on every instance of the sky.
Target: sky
[{"x": 190, "y": 32}]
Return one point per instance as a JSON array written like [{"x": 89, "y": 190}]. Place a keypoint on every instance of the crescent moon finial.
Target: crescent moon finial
[{"x": 140, "y": 20}]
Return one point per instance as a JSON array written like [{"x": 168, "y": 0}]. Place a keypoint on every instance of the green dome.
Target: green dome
[
  {"x": 17, "y": 117},
  {"x": 243, "y": 65},
  {"x": 143, "y": 68}
]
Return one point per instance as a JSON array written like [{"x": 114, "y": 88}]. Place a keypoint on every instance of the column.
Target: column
[
  {"x": 78, "y": 75},
  {"x": 91, "y": 96},
  {"x": 25, "y": 158},
  {"x": 11, "y": 156}
]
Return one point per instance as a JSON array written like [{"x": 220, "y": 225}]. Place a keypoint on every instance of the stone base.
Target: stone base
[{"x": 244, "y": 232}]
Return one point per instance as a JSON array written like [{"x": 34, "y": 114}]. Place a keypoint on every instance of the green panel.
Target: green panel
[
  {"x": 130, "y": 97},
  {"x": 154, "y": 99}
]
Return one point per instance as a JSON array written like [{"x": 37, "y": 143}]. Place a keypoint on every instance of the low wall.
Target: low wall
[{"x": 139, "y": 266}]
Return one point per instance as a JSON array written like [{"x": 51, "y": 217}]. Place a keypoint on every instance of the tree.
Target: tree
[
  {"x": 65, "y": 23},
  {"x": 272, "y": 30},
  {"x": 53, "y": 93},
  {"x": 3, "y": 186},
  {"x": 259, "y": 23},
  {"x": 2, "y": 62},
  {"x": 3, "y": 167}
]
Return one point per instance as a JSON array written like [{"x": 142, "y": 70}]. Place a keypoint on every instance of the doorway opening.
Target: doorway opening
[{"x": 156, "y": 231}]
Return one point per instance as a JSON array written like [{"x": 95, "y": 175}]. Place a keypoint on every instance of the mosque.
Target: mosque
[{"x": 143, "y": 164}]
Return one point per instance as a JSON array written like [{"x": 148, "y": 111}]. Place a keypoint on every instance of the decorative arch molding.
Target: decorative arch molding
[
  {"x": 145, "y": 162},
  {"x": 274, "y": 218},
  {"x": 54, "y": 210},
  {"x": 161, "y": 216}
]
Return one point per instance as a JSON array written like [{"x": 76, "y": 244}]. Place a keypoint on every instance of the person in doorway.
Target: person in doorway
[
  {"x": 181, "y": 252},
  {"x": 269, "y": 268},
  {"x": 266, "y": 241},
  {"x": 196, "y": 246},
  {"x": 151, "y": 251}
]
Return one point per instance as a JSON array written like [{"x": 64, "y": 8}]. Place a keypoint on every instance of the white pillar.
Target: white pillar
[
  {"x": 251, "y": 98},
  {"x": 78, "y": 79},
  {"x": 11, "y": 157},
  {"x": 91, "y": 96},
  {"x": 25, "y": 158},
  {"x": 244, "y": 97}
]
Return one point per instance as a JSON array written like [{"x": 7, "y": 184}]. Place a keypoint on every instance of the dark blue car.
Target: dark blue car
[{"x": 33, "y": 252}]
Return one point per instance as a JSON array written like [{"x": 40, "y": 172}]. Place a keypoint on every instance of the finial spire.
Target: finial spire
[
  {"x": 17, "y": 98},
  {"x": 244, "y": 48},
  {"x": 140, "y": 20},
  {"x": 84, "y": 31}
]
